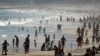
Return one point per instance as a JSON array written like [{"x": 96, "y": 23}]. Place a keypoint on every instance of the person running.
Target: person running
[{"x": 4, "y": 47}]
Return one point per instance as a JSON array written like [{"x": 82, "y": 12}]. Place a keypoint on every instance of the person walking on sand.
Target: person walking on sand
[
  {"x": 93, "y": 39},
  {"x": 89, "y": 25},
  {"x": 59, "y": 45},
  {"x": 63, "y": 40},
  {"x": 86, "y": 33},
  {"x": 87, "y": 41},
  {"x": 4, "y": 47},
  {"x": 84, "y": 24},
  {"x": 79, "y": 41},
  {"x": 17, "y": 41},
  {"x": 82, "y": 31},
  {"x": 78, "y": 31}
]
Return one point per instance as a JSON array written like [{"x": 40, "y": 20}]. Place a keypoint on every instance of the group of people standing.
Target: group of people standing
[
  {"x": 59, "y": 50},
  {"x": 89, "y": 23},
  {"x": 26, "y": 44}
]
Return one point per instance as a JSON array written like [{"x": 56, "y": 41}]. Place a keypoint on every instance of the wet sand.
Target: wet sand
[{"x": 74, "y": 51}]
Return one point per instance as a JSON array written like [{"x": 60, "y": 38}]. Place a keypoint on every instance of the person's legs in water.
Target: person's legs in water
[
  {"x": 6, "y": 51},
  {"x": 2, "y": 51}
]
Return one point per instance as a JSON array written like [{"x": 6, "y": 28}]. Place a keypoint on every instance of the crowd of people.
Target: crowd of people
[{"x": 59, "y": 49}]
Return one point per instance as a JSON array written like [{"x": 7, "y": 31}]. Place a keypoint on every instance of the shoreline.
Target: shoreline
[{"x": 74, "y": 51}]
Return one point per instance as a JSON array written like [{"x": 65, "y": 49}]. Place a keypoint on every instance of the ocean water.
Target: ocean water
[{"x": 28, "y": 19}]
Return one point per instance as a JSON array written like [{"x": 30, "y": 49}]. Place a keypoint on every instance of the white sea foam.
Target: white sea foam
[
  {"x": 2, "y": 23},
  {"x": 4, "y": 36}
]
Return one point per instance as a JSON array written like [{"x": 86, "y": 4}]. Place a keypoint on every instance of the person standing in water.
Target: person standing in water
[
  {"x": 35, "y": 44},
  {"x": 22, "y": 28},
  {"x": 60, "y": 18},
  {"x": 44, "y": 30},
  {"x": 4, "y": 47},
  {"x": 47, "y": 21},
  {"x": 40, "y": 28},
  {"x": 36, "y": 34},
  {"x": 13, "y": 42},
  {"x": 17, "y": 41},
  {"x": 53, "y": 37},
  {"x": 26, "y": 47},
  {"x": 89, "y": 25},
  {"x": 40, "y": 21},
  {"x": 28, "y": 42},
  {"x": 59, "y": 27}
]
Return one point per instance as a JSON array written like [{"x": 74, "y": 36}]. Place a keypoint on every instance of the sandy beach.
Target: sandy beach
[
  {"x": 29, "y": 22},
  {"x": 74, "y": 51}
]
